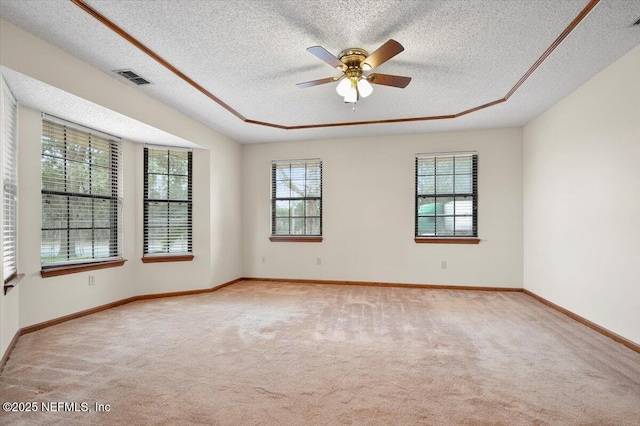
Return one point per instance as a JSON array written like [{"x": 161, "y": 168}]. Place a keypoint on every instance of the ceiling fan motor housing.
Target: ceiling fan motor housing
[{"x": 352, "y": 58}]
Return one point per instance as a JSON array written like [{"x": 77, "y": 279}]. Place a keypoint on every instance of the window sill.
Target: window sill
[
  {"x": 13, "y": 282},
  {"x": 442, "y": 240},
  {"x": 73, "y": 269},
  {"x": 171, "y": 258},
  {"x": 294, "y": 239}
]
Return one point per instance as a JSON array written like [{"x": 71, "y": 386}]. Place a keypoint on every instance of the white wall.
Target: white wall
[
  {"x": 217, "y": 242},
  {"x": 225, "y": 230},
  {"x": 9, "y": 318},
  {"x": 582, "y": 200},
  {"x": 368, "y": 218}
]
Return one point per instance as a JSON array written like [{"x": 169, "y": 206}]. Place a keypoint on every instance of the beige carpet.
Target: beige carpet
[{"x": 296, "y": 354}]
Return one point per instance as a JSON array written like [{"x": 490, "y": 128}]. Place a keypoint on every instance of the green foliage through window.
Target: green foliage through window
[
  {"x": 296, "y": 198},
  {"x": 167, "y": 201},
  {"x": 80, "y": 195}
]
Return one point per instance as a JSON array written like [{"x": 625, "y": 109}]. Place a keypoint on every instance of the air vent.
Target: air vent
[
  {"x": 635, "y": 24},
  {"x": 133, "y": 77}
]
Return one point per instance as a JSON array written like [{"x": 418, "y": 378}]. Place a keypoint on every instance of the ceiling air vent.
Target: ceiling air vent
[
  {"x": 635, "y": 24},
  {"x": 133, "y": 77}
]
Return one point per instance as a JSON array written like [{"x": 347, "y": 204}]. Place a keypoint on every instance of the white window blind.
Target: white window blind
[
  {"x": 296, "y": 197},
  {"x": 167, "y": 201},
  {"x": 446, "y": 203},
  {"x": 9, "y": 184},
  {"x": 81, "y": 194}
]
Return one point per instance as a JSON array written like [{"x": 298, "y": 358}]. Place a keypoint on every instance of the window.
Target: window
[
  {"x": 81, "y": 195},
  {"x": 9, "y": 185},
  {"x": 296, "y": 198},
  {"x": 167, "y": 201},
  {"x": 446, "y": 202}
]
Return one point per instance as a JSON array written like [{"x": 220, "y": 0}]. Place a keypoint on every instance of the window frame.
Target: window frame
[
  {"x": 306, "y": 237},
  {"x": 10, "y": 200},
  {"x": 114, "y": 198},
  {"x": 447, "y": 238},
  {"x": 167, "y": 256}
]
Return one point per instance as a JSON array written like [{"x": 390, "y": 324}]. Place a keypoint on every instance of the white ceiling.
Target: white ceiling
[{"x": 250, "y": 54}]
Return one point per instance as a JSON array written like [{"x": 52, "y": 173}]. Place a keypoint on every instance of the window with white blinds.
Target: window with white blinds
[
  {"x": 296, "y": 198},
  {"x": 167, "y": 201},
  {"x": 81, "y": 194},
  {"x": 446, "y": 203},
  {"x": 9, "y": 185}
]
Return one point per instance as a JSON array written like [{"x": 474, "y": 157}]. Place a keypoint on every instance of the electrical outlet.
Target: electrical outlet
[
  {"x": 318, "y": 261},
  {"x": 443, "y": 264},
  {"x": 92, "y": 280},
  {"x": 264, "y": 259}
]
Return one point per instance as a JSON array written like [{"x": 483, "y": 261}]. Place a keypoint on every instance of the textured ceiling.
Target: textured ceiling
[{"x": 250, "y": 54}]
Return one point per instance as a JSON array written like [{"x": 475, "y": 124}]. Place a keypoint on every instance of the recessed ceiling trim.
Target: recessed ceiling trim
[
  {"x": 583, "y": 13},
  {"x": 111, "y": 25}
]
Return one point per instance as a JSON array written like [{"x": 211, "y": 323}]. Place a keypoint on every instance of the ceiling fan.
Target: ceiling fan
[{"x": 353, "y": 63}]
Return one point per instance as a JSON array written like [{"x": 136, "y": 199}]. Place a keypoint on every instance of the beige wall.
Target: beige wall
[
  {"x": 368, "y": 219},
  {"x": 217, "y": 242},
  {"x": 582, "y": 200}
]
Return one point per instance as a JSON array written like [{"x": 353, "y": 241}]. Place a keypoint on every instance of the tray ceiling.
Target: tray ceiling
[{"x": 250, "y": 54}]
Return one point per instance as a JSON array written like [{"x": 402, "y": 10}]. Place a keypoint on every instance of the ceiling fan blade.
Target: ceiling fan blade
[
  {"x": 385, "y": 52},
  {"x": 389, "y": 80},
  {"x": 322, "y": 53},
  {"x": 316, "y": 82}
]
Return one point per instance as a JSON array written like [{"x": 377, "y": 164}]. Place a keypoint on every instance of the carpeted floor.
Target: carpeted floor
[{"x": 301, "y": 354}]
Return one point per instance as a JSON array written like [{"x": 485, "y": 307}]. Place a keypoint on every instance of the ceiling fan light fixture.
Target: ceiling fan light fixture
[
  {"x": 343, "y": 87},
  {"x": 364, "y": 87},
  {"x": 351, "y": 96}
]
